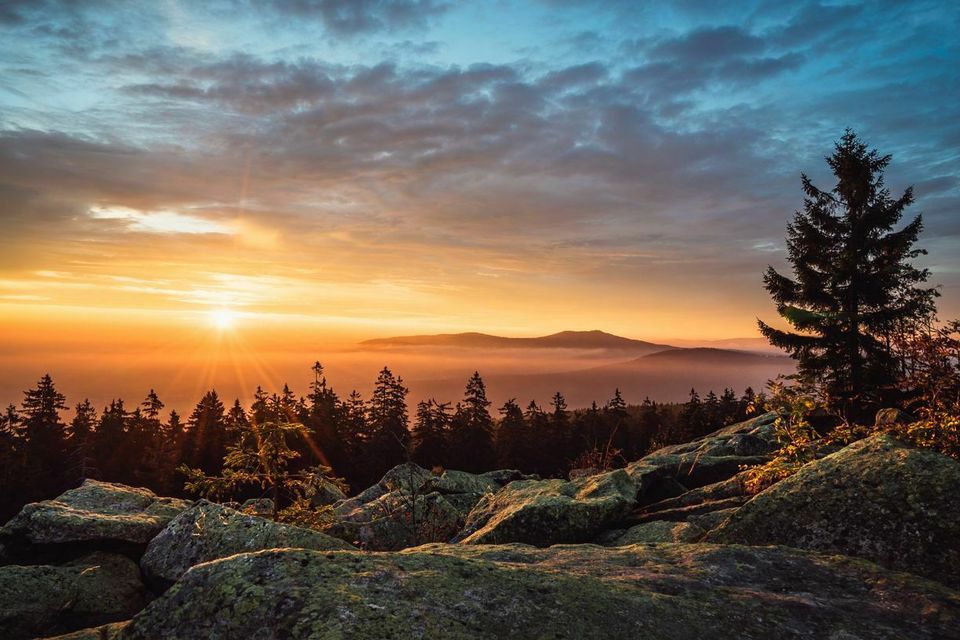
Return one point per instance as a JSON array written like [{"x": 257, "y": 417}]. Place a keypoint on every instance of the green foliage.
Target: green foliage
[
  {"x": 260, "y": 457},
  {"x": 853, "y": 284}
]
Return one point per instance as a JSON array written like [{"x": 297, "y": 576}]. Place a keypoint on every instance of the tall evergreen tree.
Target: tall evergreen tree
[
  {"x": 854, "y": 285},
  {"x": 108, "y": 442},
  {"x": 471, "y": 434},
  {"x": 430, "y": 433},
  {"x": 322, "y": 418},
  {"x": 387, "y": 422},
  {"x": 510, "y": 437},
  {"x": 205, "y": 441},
  {"x": 81, "y": 464},
  {"x": 46, "y": 438}
]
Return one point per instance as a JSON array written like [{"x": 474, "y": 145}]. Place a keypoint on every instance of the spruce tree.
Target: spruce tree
[
  {"x": 430, "y": 432},
  {"x": 853, "y": 285},
  {"x": 81, "y": 464},
  {"x": 511, "y": 437},
  {"x": 46, "y": 438},
  {"x": 387, "y": 422},
  {"x": 471, "y": 434}
]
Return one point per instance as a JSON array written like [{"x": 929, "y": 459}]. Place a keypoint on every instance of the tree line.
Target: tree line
[{"x": 360, "y": 439}]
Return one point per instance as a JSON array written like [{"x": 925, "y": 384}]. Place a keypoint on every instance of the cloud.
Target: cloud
[{"x": 677, "y": 154}]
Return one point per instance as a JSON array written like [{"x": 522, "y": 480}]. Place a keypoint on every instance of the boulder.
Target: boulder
[
  {"x": 322, "y": 492},
  {"x": 208, "y": 531},
  {"x": 713, "y": 458},
  {"x": 516, "y": 591},
  {"x": 95, "y": 513},
  {"x": 546, "y": 512},
  {"x": 40, "y": 600},
  {"x": 397, "y": 520},
  {"x": 103, "y": 632},
  {"x": 876, "y": 499},
  {"x": 650, "y": 532}
]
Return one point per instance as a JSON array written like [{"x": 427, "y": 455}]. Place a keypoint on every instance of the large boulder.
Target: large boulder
[
  {"x": 876, "y": 499},
  {"x": 208, "y": 531},
  {"x": 95, "y": 513},
  {"x": 516, "y": 591},
  {"x": 397, "y": 520},
  {"x": 671, "y": 471},
  {"x": 411, "y": 506},
  {"x": 40, "y": 600},
  {"x": 546, "y": 512}
]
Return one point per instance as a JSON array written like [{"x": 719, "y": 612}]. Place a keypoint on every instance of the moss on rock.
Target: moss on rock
[
  {"x": 517, "y": 591},
  {"x": 876, "y": 499},
  {"x": 208, "y": 531},
  {"x": 39, "y": 600}
]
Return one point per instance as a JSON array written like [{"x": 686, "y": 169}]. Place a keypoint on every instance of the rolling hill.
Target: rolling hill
[{"x": 562, "y": 340}]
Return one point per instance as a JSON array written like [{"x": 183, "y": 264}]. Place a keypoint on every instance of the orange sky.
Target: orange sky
[{"x": 327, "y": 177}]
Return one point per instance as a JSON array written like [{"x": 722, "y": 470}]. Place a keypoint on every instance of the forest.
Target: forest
[{"x": 41, "y": 453}]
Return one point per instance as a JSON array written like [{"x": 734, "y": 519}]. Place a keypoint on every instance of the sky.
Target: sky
[{"x": 315, "y": 172}]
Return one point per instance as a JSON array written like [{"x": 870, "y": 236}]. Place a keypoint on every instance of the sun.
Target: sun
[{"x": 222, "y": 318}]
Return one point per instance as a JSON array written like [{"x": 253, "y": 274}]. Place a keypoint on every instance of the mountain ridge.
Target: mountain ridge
[{"x": 593, "y": 339}]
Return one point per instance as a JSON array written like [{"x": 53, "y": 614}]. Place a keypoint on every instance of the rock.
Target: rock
[
  {"x": 208, "y": 531},
  {"x": 407, "y": 477},
  {"x": 397, "y": 520},
  {"x": 38, "y": 600},
  {"x": 322, "y": 492},
  {"x": 104, "y": 632},
  {"x": 262, "y": 507},
  {"x": 651, "y": 532},
  {"x": 716, "y": 457},
  {"x": 462, "y": 482},
  {"x": 546, "y": 512},
  {"x": 515, "y": 591},
  {"x": 876, "y": 499},
  {"x": 102, "y": 513}
]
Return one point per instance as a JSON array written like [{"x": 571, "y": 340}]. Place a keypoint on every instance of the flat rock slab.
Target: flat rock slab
[
  {"x": 457, "y": 592},
  {"x": 41, "y": 600},
  {"x": 208, "y": 531},
  {"x": 94, "y": 512},
  {"x": 876, "y": 499}
]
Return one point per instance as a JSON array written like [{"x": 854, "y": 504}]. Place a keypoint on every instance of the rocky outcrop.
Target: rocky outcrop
[
  {"x": 95, "y": 513},
  {"x": 40, "y": 600},
  {"x": 672, "y": 471},
  {"x": 322, "y": 492},
  {"x": 208, "y": 531},
  {"x": 876, "y": 499},
  {"x": 546, "y": 512},
  {"x": 412, "y": 506},
  {"x": 517, "y": 591},
  {"x": 397, "y": 520}
]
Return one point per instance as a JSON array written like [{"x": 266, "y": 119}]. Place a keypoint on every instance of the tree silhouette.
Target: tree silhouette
[
  {"x": 853, "y": 286},
  {"x": 471, "y": 433},
  {"x": 430, "y": 433},
  {"x": 45, "y": 436}
]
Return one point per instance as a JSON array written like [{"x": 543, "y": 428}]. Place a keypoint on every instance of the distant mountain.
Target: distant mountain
[
  {"x": 710, "y": 355},
  {"x": 664, "y": 376},
  {"x": 563, "y": 340}
]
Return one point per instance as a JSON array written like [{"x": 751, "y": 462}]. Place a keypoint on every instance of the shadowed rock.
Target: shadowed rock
[
  {"x": 39, "y": 600},
  {"x": 876, "y": 499}
]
